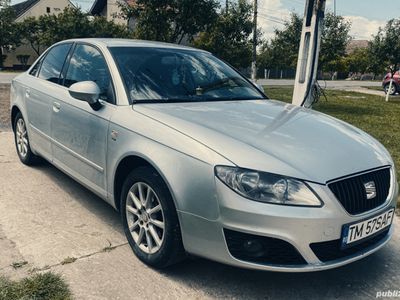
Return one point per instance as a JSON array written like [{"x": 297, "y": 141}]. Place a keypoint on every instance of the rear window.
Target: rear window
[{"x": 53, "y": 63}]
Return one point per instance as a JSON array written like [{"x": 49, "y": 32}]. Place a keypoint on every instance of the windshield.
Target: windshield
[{"x": 175, "y": 75}]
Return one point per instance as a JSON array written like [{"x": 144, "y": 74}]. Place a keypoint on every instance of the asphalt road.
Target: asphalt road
[
  {"x": 335, "y": 84},
  {"x": 46, "y": 219},
  {"x": 6, "y": 77}
]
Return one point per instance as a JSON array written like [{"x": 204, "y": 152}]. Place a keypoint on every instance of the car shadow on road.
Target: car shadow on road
[
  {"x": 358, "y": 280},
  {"x": 90, "y": 201}
]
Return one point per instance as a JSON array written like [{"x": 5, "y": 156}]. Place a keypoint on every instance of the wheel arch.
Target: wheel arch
[
  {"x": 126, "y": 165},
  {"x": 14, "y": 112},
  {"x": 395, "y": 83}
]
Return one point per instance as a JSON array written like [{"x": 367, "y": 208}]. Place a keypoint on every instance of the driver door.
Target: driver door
[{"x": 80, "y": 133}]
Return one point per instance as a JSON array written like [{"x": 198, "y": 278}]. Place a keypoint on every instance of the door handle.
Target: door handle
[
  {"x": 56, "y": 106},
  {"x": 27, "y": 93}
]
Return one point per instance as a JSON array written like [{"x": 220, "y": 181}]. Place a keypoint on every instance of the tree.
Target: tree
[
  {"x": 46, "y": 30},
  {"x": 8, "y": 36},
  {"x": 334, "y": 40},
  {"x": 357, "y": 61},
  {"x": 282, "y": 51},
  {"x": 385, "y": 48},
  {"x": 168, "y": 20},
  {"x": 71, "y": 23},
  {"x": 23, "y": 59},
  {"x": 229, "y": 36},
  {"x": 101, "y": 28},
  {"x": 34, "y": 31}
]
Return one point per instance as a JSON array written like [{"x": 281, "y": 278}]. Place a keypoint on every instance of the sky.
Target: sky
[{"x": 366, "y": 15}]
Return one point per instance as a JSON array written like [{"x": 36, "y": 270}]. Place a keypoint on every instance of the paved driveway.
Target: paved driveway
[
  {"x": 6, "y": 77},
  {"x": 46, "y": 219}
]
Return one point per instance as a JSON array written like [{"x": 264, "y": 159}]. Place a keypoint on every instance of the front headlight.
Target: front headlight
[{"x": 267, "y": 187}]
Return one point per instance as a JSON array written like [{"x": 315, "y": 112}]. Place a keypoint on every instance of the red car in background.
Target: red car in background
[{"x": 396, "y": 83}]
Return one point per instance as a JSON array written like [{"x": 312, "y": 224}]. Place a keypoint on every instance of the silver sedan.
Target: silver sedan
[{"x": 198, "y": 160}]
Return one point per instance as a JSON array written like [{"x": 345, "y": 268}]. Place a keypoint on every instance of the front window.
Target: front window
[
  {"x": 166, "y": 74},
  {"x": 88, "y": 64}
]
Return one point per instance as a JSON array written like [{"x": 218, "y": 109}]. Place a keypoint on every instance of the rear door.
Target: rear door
[
  {"x": 42, "y": 86},
  {"x": 80, "y": 133}
]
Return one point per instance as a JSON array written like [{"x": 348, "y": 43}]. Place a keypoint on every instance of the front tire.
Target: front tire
[
  {"x": 22, "y": 144},
  {"x": 150, "y": 219},
  {"x": 393, "y": 91}
]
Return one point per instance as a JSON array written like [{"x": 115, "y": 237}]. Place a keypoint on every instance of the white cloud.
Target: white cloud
[
  {"x": 363, "y": 28},
  {"x": 271, "y": 14}
]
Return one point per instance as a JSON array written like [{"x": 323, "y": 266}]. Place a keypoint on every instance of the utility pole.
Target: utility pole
[
  {"x": 226, "y": 6},
  {"x": 307, "y": 64},
  {"x": 254, "y": 60},
  {"x": 334, "y": 7}
]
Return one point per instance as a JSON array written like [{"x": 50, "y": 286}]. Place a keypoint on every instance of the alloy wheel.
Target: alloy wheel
[
  {"x": 145, "y": 217},
  {"x": 22, "y": 138},
  {"x": 392, "y": 90}
]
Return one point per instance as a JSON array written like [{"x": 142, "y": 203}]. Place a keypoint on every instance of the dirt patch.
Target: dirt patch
[{"x": 4, "y": 106}]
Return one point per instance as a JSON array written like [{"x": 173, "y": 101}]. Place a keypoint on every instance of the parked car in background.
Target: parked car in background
[
  {"x": 198, "y": 160},
  {"x": 396, "y": 83}
]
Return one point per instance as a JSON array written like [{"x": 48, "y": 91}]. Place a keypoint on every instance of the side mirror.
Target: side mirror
[{"x": 87, "y": 91}]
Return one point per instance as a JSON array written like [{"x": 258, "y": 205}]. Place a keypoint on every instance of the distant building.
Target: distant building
[
  {"x": 356, "y": 44},
  {"x": 32, "y": 8},
  {"x": 108, "y": 9},
  {"x": 111, "y": 10}
]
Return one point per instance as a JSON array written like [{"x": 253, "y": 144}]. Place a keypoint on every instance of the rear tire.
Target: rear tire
[
  {"x": 22, "y": 144},
  {"x": 150, "y": 219},
  {"x": 393, "y": 91}
]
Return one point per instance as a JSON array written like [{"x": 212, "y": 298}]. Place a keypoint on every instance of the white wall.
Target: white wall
[{"x": 111, "y": 11}]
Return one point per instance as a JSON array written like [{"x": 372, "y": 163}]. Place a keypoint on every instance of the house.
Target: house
[
  {"x": 108, "y": 9},
  {"x": 353, "y": 45},
  {"x": 32, "y": 8},
  {"x": 111, "y": 10}
]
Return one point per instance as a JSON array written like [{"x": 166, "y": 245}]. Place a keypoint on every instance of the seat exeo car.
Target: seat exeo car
[{"x": 199, "y": 161}]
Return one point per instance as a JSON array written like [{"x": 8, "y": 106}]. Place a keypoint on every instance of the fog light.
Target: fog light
[{"x": 253, "y": 248}]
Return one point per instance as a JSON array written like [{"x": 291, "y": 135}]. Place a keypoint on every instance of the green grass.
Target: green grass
[
  {"x": 368, "y": 112},
  {"x": 375, "y": 88},
  {"x": 40, "y": 286}
]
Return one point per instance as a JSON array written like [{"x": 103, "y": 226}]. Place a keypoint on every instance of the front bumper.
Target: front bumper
[{"x": 298, "y": 226}]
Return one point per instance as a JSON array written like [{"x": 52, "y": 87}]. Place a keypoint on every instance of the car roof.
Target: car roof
[{"x": 110, "y": 42}]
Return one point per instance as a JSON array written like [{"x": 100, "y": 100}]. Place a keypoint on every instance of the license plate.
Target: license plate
[{"x": 357, "y": 232}]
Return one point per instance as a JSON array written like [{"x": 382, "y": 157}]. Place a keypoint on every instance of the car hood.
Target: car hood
[{"x": 274, "y": 137}]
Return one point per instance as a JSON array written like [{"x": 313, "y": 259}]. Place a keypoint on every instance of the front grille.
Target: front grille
[
  {"x": 268, "y": 250},
  {"x": 351, "y": 192},
  {"x": 331, "y": 250}
]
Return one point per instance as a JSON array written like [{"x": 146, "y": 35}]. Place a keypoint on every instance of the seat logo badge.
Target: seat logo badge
[{"x": 370, "y": 189}]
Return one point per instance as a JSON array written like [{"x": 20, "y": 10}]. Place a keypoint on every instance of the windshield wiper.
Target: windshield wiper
[
  {"x": 189, "y": 100},
  {"x": 219, "y": 83}
]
